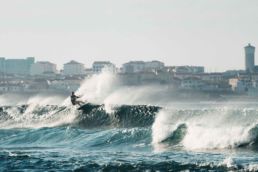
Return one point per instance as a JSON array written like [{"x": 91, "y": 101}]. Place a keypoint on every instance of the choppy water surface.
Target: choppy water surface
[{"x": 199, "y": 136}]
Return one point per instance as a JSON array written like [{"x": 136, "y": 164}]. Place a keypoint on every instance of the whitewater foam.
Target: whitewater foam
[
  {"x": 35, "y": 116},
  {"x": 211, "y": 128}
]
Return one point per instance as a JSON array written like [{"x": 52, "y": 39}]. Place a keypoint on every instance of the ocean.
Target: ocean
[{"x": 199, "y": 136}]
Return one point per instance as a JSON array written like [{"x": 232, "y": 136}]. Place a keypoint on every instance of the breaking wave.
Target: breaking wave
[
  {"x": 210, "y": 128},
  {"x": 88, "y": 116},
  {"x": 131, "y": 130}
]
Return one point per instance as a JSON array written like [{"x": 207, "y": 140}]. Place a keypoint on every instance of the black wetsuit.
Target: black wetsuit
[{"x": 73, "y": 99}]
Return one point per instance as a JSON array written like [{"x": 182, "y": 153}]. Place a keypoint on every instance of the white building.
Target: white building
[
  {"x": 191, "y": 84},
  {"x": 65, "y": 85},
  {"x": 134, "y": 67},
  {"x": 154, "y": 65},
  {"x": 100, "y": 66},
  {"x": 12, "y": 87},
  {"x": 74, "y": 68},
  {"x": 141, "y": 66},
  {"x": 43, "y": 67},
  {"x": 88, "y": 71},
  {"x": 189, "y": 69}
]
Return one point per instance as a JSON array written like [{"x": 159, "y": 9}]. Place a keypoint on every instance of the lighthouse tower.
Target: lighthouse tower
[{"x": 249, "y": 58}]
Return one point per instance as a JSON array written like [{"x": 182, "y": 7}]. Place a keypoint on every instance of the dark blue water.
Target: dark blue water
[{"x": 61, "y": 139}]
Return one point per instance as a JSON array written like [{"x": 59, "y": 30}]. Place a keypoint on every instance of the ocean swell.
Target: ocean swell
[{"x": 207, "y": 128}]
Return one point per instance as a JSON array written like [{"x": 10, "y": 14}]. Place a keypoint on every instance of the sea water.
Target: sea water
[{"x": 202, "y": 136}]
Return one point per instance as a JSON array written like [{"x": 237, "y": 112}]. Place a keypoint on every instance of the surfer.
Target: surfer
[{"x": 75, "y": 101}]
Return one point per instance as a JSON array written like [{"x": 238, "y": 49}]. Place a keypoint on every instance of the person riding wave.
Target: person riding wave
[{"x": 75, "y": 101}]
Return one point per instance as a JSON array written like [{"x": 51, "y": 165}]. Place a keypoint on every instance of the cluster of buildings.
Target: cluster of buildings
[
  {"x": 29, "y": 67},
  {"x": 28, "y": 75}
]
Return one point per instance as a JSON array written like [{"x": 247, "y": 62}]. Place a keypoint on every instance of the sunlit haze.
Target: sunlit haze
[{"x": 211, "y": 33}]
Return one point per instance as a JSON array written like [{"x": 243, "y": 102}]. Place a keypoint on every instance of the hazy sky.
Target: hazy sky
[{"x": 211, "y": 33}]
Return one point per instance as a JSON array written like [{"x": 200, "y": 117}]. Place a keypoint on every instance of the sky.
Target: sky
[{"x": 210, "y": 33}]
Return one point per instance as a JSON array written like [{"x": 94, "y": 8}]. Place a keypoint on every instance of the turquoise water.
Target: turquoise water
[{"x": 129, "y": 138}]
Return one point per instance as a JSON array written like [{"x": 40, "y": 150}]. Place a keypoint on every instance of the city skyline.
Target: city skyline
[{"x": 204, "y": 33}]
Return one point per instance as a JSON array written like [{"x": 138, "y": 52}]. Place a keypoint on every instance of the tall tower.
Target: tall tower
[{"x": 249, "y": 58}]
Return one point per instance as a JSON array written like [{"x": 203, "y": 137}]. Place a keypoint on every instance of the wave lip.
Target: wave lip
[
  {"x": 176, "y": 136},
  {"x": 192, "y": 129},
  {"x": 121, "y": 116},
  {"x": 87, "y": 116},
  {"x": 205, "y": 129}
]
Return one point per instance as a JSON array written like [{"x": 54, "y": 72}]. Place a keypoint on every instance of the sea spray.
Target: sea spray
[
  {"x": 108, "y": 88},
  {"x": 36, "y": 116},
  {"x": 96, "y": 88},
  {"x": 43, "y": 100},
  {"x": 210, "y": 128}
]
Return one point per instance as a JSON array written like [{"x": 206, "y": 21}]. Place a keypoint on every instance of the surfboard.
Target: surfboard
[{"x": 88, "y": 107}]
